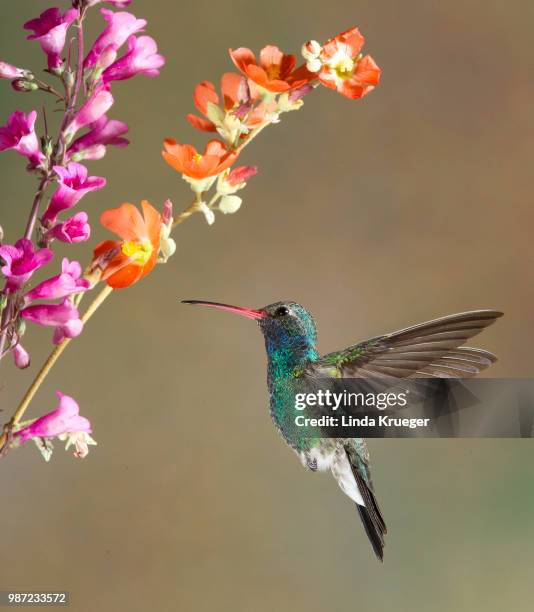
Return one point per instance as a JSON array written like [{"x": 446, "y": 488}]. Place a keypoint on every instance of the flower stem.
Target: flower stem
[
  {"x": 79, "y": 65},
  {"x": 48, "y": 365},
  {"x": 35, "y": 206},
  {"x": 187, "y": 212}
]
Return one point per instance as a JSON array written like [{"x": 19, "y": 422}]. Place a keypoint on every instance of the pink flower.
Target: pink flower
[
  {"x": 73, "y": 230},
  {"x": 106, "y": 58},
  {"x": 142, "y": 57},
  {"x": 120, "y": 27},
  {"x": 241, "y": 175},
  {"x": 20, "y": 356},
  {"x": 64, "y": 422},
  {"x": 166, "y": 214},
  {"x": 102, "y": 133},
  {"x": 20, "y": 262},
  {"x": 61, "y": 286},
  {"x": 19, "y": 134},
  {"x": 7, "y": 71},
  {"x": 95, "y": 107},
  {"x": 73, "y": 185},
  {"x": 50, "y": 29},
  {"x": 64, "y": 317}
]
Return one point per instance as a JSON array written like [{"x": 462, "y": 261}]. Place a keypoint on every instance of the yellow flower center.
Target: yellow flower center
[
  {"x": 138, "y": 251},
  {"x": 273, "y": 72},
  {"x": 344, "y": 68},
  {"x": 197, "y": 158}
]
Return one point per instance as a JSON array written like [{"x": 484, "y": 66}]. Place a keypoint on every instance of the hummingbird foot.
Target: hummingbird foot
[{"x": 311, "y": 464}]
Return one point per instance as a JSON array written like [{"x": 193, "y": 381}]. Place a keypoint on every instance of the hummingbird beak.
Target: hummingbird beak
[{"x": 244, "y": 312}]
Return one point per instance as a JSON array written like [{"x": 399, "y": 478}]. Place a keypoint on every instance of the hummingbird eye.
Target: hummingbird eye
[{"x": 281, "y": 311}]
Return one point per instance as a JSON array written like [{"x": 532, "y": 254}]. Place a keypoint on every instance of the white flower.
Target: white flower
[
  {"x": 285, "y": 105},
  {"x": 167, "y": 245},
  {"x": 311, "y": 52},
  {"x": 207, "y": 212},
  {"x": 81, "y": 441},
  {"x": 230, "y": 204},
  {"x": 199, "y": 185}
]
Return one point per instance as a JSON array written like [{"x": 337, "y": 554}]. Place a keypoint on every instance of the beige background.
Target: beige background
[{"x": 413, "y": 203}]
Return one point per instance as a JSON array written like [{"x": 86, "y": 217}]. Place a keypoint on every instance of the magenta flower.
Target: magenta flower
[
  {"x": 7, "y": 71},
  {"x": 20, "y": 356},
  {"x": 73, "y": 230},
  {"x": 20, "y": 262},
  {"x": 120, "y": 26},
  {"x": 102, "y": 133},
  {"x": 106, "y": 58},
  {"x": 93, "y": 109},
  {"x": 73, "y": 185},
  {"x": 63, "y": 316},
  {"x": 65, "y": 423},
  {"x": 142, "y": 57},
  {"x": 50, "y": 29},
  {"x": 19, "y": 134},
  {"x": 61, "y": 286}
]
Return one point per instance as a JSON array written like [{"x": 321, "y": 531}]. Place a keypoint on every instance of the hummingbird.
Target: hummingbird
[{"x": 432, "y": 350}]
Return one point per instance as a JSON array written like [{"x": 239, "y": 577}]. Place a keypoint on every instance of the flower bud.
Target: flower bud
[
  {"x": 21, "y": 327},
  {"x": 20, "y": 356},
  {"x": 230, "y": 204},
  {"x": 311, "y": 50},
  {"x": 69, "y": 79},
  {"x": 23, "y": 85},
  {"x": 47, "y": 145}
]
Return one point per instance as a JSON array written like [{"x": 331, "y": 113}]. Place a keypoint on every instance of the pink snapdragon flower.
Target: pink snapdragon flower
[
  {"x": 64, "y": 317},
  {"x": 20, "y": 356},
  {"x": 102, "y": 133},
  {"x": 73, "y": 230},
  {"x": 120, "y": 26},
  {"x": 93, "y": 109},
  {"x": 142, "y": 57},
  {"x": 20, "y": 261},
  {"x": 65, "y": 423},
  {"x": 50, "y": 29},
  {"x": 7, "y": 71},
  {"x": 106, "y": 58},
  {"x": 19, "y": 134},
  {"x": 74, "y": 184},
  {"x": 61, "y": 286}
]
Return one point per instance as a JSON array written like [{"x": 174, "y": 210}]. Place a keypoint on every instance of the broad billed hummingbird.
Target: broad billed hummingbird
[{"x": 433, "y": 350}]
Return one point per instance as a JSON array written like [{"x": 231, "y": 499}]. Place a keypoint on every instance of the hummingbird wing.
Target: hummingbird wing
[{"x": 431, "y": 349}]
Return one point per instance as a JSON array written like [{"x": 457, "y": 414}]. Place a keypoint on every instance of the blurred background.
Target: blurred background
[{"x": 376, "y": 214}]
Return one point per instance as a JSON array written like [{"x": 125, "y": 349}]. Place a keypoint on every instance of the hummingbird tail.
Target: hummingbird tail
[
  {"x": 370, "y": 513},
  {"x": 375, "y": 536}
]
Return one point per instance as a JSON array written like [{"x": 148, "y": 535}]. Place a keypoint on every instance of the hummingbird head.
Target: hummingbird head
[
  {"x": 283, "y": 324},
  {"x": 287, "y": 321}
]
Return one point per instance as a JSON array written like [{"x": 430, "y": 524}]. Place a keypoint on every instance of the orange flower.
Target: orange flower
[
  {"x": 133, "y": 257},
  {"x": 234, "y": 91},
  {"x": 276, "y": 70},
  {"x": 186, "y": 159},
  {"x": 340, "y": 66}
]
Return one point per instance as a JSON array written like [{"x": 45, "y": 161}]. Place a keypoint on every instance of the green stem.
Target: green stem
[{"x": 47, "y": 366}]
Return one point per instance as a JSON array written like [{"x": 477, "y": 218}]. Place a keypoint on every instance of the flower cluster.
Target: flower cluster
[
  {"x": 252, "y": 99},
  {"x": 81, "y": 80},
  {"x": 248, "y": 100}
]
